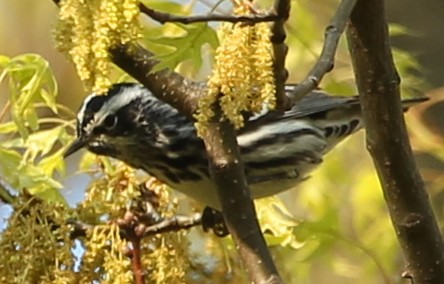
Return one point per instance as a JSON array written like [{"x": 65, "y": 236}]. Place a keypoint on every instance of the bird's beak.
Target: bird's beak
[{"x": 78, "y": 144}]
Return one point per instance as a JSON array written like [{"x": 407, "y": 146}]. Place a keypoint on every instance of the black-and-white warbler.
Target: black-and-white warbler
[{"x": 278, "y": 149}]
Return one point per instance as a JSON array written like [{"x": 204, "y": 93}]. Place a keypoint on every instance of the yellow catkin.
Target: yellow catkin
[
  {"x": 105, "y": 260},
  {"x": 87, "y": 29},
  {"x": 35, "y": 247},
  {"x": 243, "y": 72}
]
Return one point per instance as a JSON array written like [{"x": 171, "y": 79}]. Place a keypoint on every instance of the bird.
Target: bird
[{"x": 279, "y": 149}]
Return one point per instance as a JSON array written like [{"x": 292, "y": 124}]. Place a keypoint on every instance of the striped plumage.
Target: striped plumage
[{"x": 278, "y": 149}]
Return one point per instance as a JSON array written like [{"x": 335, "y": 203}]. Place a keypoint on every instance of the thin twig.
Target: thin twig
[
  {"x": 325, "y": 62},
  {"x": 136, "y": 261},
  {"x": 4, "y": 110},
  {"x": 163, "y": 17},
  {"x": 173, "y": 224},
  {"x": 280, "y": 49}
]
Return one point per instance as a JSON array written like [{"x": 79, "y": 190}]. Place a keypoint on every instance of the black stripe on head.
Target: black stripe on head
[
  {"x": 96, "y": 108},
  {"x": 90, "y": 106}
]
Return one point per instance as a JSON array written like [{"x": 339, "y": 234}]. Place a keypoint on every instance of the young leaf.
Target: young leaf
[
  {"x": 53, "y": 163},
  {"x": 9, "y": 162},
  {"x": 38, "y": 143},
  {"x": 277, "y": 222},
  {"x": 186, "y": 47},
  {"x": 8, "y": 127},
  {"x": 30, "y": 81}
]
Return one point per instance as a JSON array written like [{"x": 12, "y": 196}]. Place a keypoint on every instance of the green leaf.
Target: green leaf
[
  {"x": 276, "y": 222},
  {"x": 24, "y": 175},
  {"x": 49, "y": 97},
  {"x": 37, "y": 182},
  {"x": 186, "y": 47},
  {"x": 399, "y": 30},
  {"x": 52, "y": 163},
  {"x": 49, "y": 194},
  {"x": 32, "y": 118},
  {"x": 9, "y": 161},
  {"x": 38, "y": 143},
  {"x": 43, "y": 141},
  {"x": 34, "y": 178},
  {"x": 167, "y": 6},
  {"x": 4, "y": 61},
  {"x": 30, "y": 81},
  {"x": 87, "y": 162},
  {"x": 8, "y": 127}
]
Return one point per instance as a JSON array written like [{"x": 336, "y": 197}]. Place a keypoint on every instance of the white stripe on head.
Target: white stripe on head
[
  {"x": 123, "y": 98},
  {"x": 81, "y": 112},
  {"x": 126, "y": 95}
]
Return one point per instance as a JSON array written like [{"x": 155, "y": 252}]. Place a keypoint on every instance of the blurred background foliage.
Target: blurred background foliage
[{"x": 334, "y": 228}]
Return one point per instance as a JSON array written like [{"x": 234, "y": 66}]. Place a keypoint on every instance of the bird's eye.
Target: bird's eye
[{"x": 110, "y": 121}]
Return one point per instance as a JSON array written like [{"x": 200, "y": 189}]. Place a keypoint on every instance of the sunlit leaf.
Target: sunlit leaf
[
  {"x": 87, "y": 162},
  {"x": 276, "y": 222},
  {"x": 38, "y": 143},
  {"x": 186, "y": 47},
  {"x": 49, "y": 194},
  {"x": 398, "y": 30},
  {"x": 8, "y": 127},
  {"x": 9, "y": 161},
  {"x": 4, "y": 61},
  {"x": 28, "y": 176},
  {"x": 49, "y": 97},
  {"x": 167, "y": 6},
  {"x": 30, "y": 80},
  {"x": 34, "y": 178},
  {"x": 52, "y": 163}
]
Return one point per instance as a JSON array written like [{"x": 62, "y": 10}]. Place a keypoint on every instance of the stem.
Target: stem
[
  {"x": 227, "y": 172},
  {"x": 326, "y": 60},
  {"x": 136, "y": 261}
]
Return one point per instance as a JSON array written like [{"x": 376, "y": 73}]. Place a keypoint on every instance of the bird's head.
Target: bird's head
[{"x": 107, "y": 122}]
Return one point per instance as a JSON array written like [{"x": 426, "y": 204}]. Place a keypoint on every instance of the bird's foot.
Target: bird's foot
[{"x": 214, "y": 220}]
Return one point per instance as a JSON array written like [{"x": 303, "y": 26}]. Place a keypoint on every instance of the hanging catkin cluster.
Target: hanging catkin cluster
[
  {"x": 243, "y": 72},
  {"x": 87, "y": 29}
]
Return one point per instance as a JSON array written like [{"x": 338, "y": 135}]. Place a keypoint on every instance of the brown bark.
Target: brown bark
[
  {"x": 389, "y": 146},
  {"x": 227, "y": 171}
]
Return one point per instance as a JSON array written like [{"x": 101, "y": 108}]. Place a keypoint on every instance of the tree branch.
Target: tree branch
[
  {"x": 388, "y": 143},
  {"x": 167, "y": 85},
  {"x": 227, "y": 172},
  {"x": 280, "y": 49},
  {"x": 326, "y": 60},
  {"x": 163, "y": 18}
]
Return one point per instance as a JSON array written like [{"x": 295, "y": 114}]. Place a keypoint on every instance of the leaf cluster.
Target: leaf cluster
[{"x": 32, "y": 142}]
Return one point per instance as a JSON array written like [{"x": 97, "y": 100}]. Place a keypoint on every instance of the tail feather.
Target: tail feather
[{"x": 407, "y": 103}]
